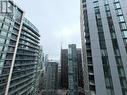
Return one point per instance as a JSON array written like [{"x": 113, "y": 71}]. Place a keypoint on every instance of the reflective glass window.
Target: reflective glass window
[
  {"x": 117, "y": 5},
  {"x": 109, "y": 91},
  {"x": 3, "y": 56},
  {"x": 4, "y": 7},
  {"x": 121, "y": 72},
  {"x": 7, "y": 41},
  {"x": 119, "y": 12},
  {"x": 121, "y": 18},
  {"x": 3, "y": 33},
  {"x": 107, "y": 7},
  {"x": 2, "y": 40},
  {"x": 5, "y": 48},
  {"x": 124, "y": 34},
  {"x": 96, "y": 4},
  {"x": 5, "y": 26},
  {"x": 108, "y": 13},
  {"x": 7, "y": 20},
  {"x": 107, "y": 80},
  {"x": 9, "y": 35},
  {"x": 1, "y": 17},
  {"x": 123, "y": 26},
  {"x": 105, "y": 1}
]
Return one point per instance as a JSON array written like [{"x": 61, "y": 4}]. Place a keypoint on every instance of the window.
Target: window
[
  {"x": 96, "y": 10},
  {"x": 93, "y": 93},
  {"x": 1, "y": 64},
  {"x": 119, "y": 61},
  {"x": 2, "y": 40},
  {"x": 7, "y": 20},
  {"x": 124, "y": 83},
  {"x": 15, "y": 31},
  {"x": 117, "y": 5},
  {"x": 124, "y": 33},
  {"x": 125, "y": 42},
  {"x": 83, "y": 1},
  {"x": 113, "y": 35},
  {"x": 1, "y": 17},
  {"x": 1, "y": 47},
  {"x": 7, "y": 42},
  {"x": 108, "y": 13},
  {"x": 84, "y": 5},
  {"x": 123, "y": 26},
  {"x": 119, "y": 12},
  {"x": 5, "y": 49},
  {"x": 109, "y": 92},
  {"x": 117, "y": 53},
  {"x": 6, "y": 27},
  {"x": 104, "y": 52},
  {"x": 107, "y": 82},
  {"x": 0, "y": 70},
  {"x": 0, "y": 24},
  {"x": 3, "y": 33},
  {"x": 4, "y": 7},
  {"x": 116, "y": 0},
  {"x": 98, "y": 16},
  {"x": 121, "y": 72},
  {"x": 3, "y": 56},
  {"x": 96, "y": 4},
  {"x": 115, "y": 44},
  {"x": 107, "y": 8},
  {"x": 121, "y": 18},
  {"x": 105, "y": 1},
  {"x": 99, "y": 23}
]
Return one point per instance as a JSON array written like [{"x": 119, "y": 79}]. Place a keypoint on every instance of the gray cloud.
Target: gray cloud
[{"x": 57, "y": 20}]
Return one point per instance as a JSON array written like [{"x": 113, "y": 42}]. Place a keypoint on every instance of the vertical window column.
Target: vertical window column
[{"x": 105, "y": 60}]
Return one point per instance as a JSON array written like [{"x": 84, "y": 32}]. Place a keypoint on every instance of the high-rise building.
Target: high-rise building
[
  {"x": 65, "y": 68},
  {"x": 104, "y": 46},
  {"x": 51, "y": 72},
  {"x": 19, "y": 50},
  {"x": 72, "y": 70}
]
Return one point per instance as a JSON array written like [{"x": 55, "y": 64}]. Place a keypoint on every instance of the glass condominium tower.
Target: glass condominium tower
[
  {"x": 104, "y": 46},
  {"x": 19, "y": 50}
]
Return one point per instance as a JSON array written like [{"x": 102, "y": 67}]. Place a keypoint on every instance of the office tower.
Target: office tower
[
  {"x": 64, "y": 69},
  {"x": 51, "y": 71},
  {"x": 19, "y": 50},
  {"x": 104, "y": 46},
  {"x": 72, "y": 70}
]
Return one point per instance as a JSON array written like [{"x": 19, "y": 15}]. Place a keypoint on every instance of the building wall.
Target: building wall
[
  {"x": 19, "y": 44},
  {"x": 72, "y": 70},
  {"x": 51, "y": 71},
  {"x": 103, "y": 27},
  {"x": 64, "y": 69}
]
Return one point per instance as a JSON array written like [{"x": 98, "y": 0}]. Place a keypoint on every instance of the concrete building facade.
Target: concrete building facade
[
  {"x": 104, "y": 46},
  {"x": 19, "y": 49}
]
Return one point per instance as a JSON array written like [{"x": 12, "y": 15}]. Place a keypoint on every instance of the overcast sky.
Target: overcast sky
[{"x": 57, "y": 20}]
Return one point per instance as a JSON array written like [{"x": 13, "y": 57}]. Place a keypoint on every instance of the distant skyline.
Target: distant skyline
[{"x": 58, "y": 22}]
